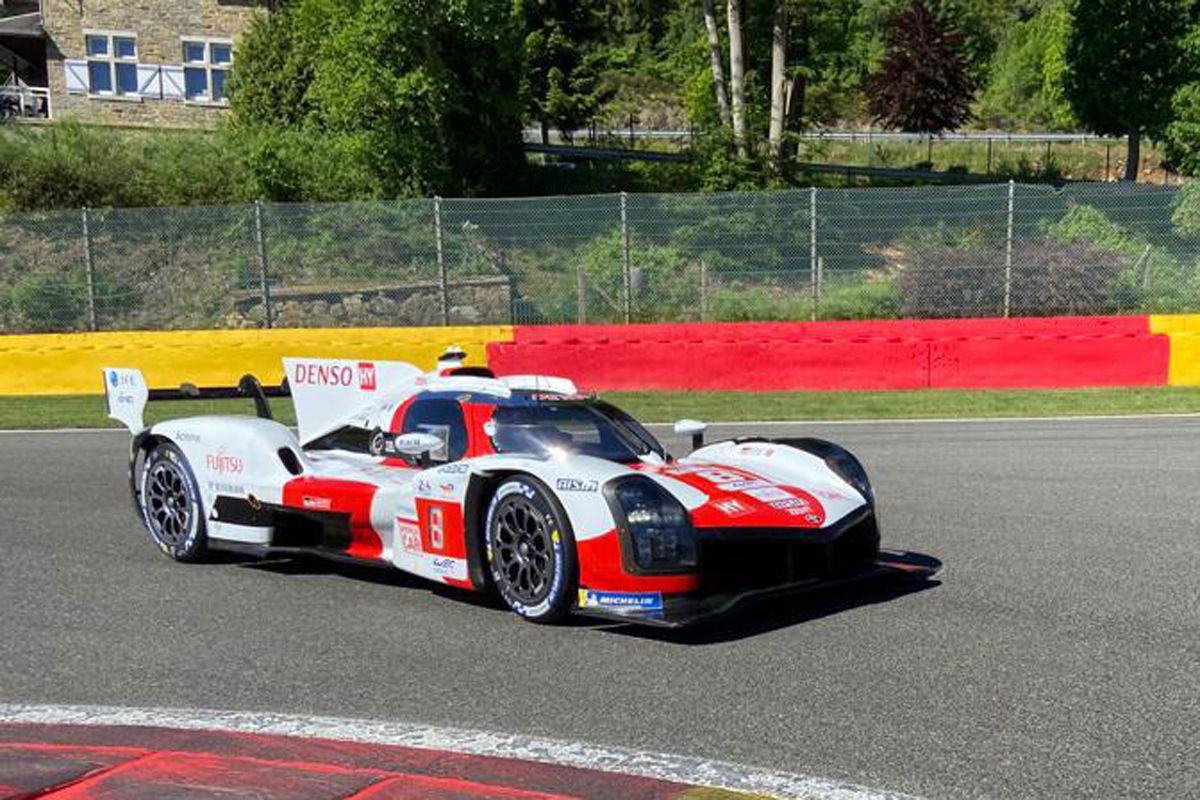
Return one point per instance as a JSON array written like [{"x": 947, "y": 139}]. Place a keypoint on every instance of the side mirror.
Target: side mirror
[
  {"x": 694, "y": 428},
  {"x": 418, "y": 445}
]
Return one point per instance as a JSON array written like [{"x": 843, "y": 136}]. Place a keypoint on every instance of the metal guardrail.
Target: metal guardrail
[
  {"x": 868, "y": 135},
  {"x": 24, "y": 102}
]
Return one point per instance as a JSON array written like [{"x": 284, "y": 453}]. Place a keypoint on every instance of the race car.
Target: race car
[{"x": 521, "y": 485}]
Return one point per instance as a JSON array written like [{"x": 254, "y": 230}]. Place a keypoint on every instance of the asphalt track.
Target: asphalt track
[{"x": 1057, "y": 655}]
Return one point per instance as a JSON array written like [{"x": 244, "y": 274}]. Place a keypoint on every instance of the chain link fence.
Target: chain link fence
[{"x": 995, "y": 250}]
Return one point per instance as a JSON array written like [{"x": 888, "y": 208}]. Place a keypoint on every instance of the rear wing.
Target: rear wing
[{"x": 126, "y": 395}]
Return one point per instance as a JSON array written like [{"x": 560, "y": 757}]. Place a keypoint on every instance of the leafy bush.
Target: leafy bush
[
  {"x": 1150, "y": 278},
  {"x": 45, "y": 302},
  {"x": 664, "y": 283},
  {"x": 1048, "y": 277}
]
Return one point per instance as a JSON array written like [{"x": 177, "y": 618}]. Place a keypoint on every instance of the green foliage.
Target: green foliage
[
  {"x": 66, "y": 165},
  {"x": 665, "y": 283},
  {"x": 422, "y": 97},
  {"x": 1182, "y": 136},
  {"x": 922, "y": 84},
  {"x": 1126, "y": 61},
  {"x": 1149, "y": 278},
  {"x": 563, "y": 66},
  {"x": 1025, "y": 83},
  {"x": 47, "y": 302}
]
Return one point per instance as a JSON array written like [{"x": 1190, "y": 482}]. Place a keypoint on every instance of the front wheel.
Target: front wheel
[
  {"x": 530, "y": 550},
  {"x": 171, "y": 507}
]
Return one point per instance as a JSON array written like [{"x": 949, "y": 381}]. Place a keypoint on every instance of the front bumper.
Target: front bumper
[{"x": 678, "y": 610}]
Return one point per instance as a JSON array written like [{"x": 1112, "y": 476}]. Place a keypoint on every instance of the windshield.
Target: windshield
[{"x": 587, "y": 428}]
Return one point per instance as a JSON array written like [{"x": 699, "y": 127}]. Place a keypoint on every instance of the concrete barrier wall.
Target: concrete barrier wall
[
  {"x": 70, "y": 363},
  {"x": 1056, "y": 352},
  {"x": 1059, "y": 352}
]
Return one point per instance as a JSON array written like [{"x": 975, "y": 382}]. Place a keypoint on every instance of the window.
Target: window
[
  {"x": 111, "y": 63},
  {"x": 444, "y": 419},
  {"x": 206, "y": 64}
]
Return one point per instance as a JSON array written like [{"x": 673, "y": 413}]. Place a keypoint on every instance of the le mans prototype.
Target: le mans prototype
[{"x": 557, "y": 501}]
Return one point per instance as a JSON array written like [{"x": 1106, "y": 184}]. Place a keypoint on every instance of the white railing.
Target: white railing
[{"x": 24, "y": 102}]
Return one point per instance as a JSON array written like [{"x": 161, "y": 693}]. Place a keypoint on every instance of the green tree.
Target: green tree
[
  {"x": 1126, "y": 61},
  {"x": 421, "y": 96},
  {"x": 922, "y": 84},
  {"x": 563, "y": 63},
  {"x": 1025, "y": 81},
  {"x": 1182, "y": 136}
]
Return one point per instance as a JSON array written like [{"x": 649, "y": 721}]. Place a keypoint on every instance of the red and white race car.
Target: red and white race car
[{"x": 519, "y": 484}]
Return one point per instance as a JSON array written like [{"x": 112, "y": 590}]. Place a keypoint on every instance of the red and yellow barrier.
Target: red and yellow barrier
[
  {"x": 1055, "y": 352},
  {"x": 1184, "y": 332},
  {"x": 70, "y": 363}
]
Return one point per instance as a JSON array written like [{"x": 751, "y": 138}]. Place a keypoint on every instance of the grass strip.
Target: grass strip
[{"x": 87, "y": 411}]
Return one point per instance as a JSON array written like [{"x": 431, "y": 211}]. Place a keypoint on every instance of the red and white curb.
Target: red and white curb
[{"x": 616, "y": 760}]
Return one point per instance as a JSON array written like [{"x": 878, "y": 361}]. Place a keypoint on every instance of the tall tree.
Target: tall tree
[
  {"x": 563, "y": 63},
  {"x": 714, "y": 54},
  {"x": 737, "y": 75},
  {"x": 922, "y": 85},
  {"x": 1125, "y": 62},
  {"x": 779, "y": 29}
]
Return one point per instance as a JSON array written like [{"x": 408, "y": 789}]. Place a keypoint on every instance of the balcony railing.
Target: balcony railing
[{"x": 24, "y": 102}]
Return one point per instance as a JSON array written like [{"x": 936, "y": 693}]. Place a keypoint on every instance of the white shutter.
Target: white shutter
[
  {"x": 149, "y": 78},
  {"x": 172, "y": 82},
  {"x": 77, "y": 75}
]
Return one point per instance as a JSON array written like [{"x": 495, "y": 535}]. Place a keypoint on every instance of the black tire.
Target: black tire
[
  {"x": 170, "y": 502},
  {"x": 531, "y": 550}
]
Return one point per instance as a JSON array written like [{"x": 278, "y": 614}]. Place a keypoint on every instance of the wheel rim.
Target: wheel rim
[
  {"x": 523, "y": 551},
  {"x": 168, "y": 503}
]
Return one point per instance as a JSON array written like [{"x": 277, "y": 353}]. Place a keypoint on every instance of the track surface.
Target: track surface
[{"x": 1058, "y": 656}]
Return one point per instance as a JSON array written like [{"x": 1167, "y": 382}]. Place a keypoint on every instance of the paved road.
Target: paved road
[{"x": 1058, "y": 656}]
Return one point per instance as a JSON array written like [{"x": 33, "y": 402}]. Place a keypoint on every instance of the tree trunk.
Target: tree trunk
[
  {"x": 778, "y": 84},
  {"x": 737, "y": 78},
  {"x": 718, "y": 72},
  {"x": 1133, "y": 155}
]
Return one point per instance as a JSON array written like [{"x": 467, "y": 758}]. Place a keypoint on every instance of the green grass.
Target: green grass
[{"x": 88, "y": 411}]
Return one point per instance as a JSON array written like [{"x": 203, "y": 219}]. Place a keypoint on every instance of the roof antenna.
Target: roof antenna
[{"x": 453, "y": 358}]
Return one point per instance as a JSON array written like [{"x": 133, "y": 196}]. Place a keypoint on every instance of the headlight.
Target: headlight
[
  {"x": 659, "y": 531},
  {"x": 849, "y": 469}
]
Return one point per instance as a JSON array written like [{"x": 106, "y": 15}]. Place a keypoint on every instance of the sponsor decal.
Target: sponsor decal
[
  {"x": 409, "y": 535},
  {"x": 124, "y": 399},
  {"x": 445, "y": 566},
  {"x": 768, "y": 494},
  {"x": 316, "y": 503},
  {"x": 337, "y": 375},
  {"x": 118, "y": 379},
  {"x": 220, "y": 487},
  {"x": 446, "y": 488},
  {"x": 454, "y": 469},
  {"x": 741, "y": 486},
  {"x": 222, "y": 463},
  {"x": 366, "y": 376},
  {"x": 731, "y": 507},
  {"x": 576, "y": 485},
  {"x": 756, "y": 450},
  {"x": 185, "y": 436},
  {"x": 423, "y": 486},
  {"x": 641, "y": 601},
  {"x": 112, "y": 377},
  {"x": 791, "y": 502},
  {"x": 830, "y": 494},
  {"x": 719, "y": 476}
]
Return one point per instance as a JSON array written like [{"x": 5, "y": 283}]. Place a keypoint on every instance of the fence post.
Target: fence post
[
  {"x": 625, "y": 268},
  {"x": 1008, "y": 245},
  {"x": 89, "y": 268},
  {"x": 443, "y": 283},
  {"x": 260, "y": 249},
  {"x": 703, "y": 290},
  {"x": 814, "y": 287},
  {"x": 580, "y": 296}
]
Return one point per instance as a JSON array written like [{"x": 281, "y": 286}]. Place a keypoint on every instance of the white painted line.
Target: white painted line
[
  {"x": 681, "y": 769},
  {"x": 947, "y": 420}
]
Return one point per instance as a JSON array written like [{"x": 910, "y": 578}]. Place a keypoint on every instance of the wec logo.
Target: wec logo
[{"x": 337, "y": 375}]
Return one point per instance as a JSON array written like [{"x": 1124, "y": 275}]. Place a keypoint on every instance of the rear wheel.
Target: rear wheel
[
  {"x": 171, "y": 507},
  {"x": 530, "y": 550}
]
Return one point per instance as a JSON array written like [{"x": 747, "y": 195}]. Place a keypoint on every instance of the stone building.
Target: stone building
[{"x": 161, "y": 63}]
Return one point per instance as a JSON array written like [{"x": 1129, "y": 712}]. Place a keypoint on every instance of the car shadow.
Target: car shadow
[
  {"x": 769, "y": 614},
  {"x": 753, "y": 618}
]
